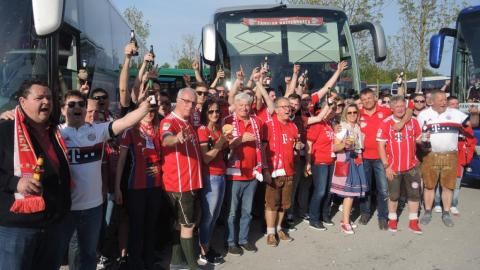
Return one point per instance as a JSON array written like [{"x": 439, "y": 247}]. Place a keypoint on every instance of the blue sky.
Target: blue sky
[{"x": 171, "y": 20}]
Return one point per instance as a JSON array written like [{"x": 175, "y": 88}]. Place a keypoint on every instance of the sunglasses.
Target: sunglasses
[
  {"x": 419, "y": 101},
  {"x": 165, "y": 104},
  {"x": 72, "y": 104},
  {"x": 352, "y": 113},
  {"x": 214, "y": 111},
  {"x": 202, "y": 93},
  {"x": 102, "y": 97},
  {"x": 82, "y": 82},
  {"x": 341, "y": 105}
]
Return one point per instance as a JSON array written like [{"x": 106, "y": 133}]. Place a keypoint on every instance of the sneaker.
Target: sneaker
[
  {"x": 383, "y": 224},
  {"x": 346, "y": 228},
  {"x": 447, "y": 220},
  {"x": 353, "y": 225},
  {"x": 272, "y": 240},
  {"x": 454, "y": 211},
  {"x": 392, "y": 225},
  {"x": 437, "y": 209},
  {"x": 290, "y": 227},
  {"x": 290, "y": 220},
  {"x": 284, "y": 236},
  {"x": 317, "y": 226},
  {"x": 249, "y": 247},
  {"x": 426, "y": 218},
  {"x": 102, "y": 262},
  {"x": 306, "y": 218},
  {"x": 235, "y": 251},
  {"x": 413, "y": 226},
  {"x": 328, "y": 222},
  {"x": 364, "y": 218}
]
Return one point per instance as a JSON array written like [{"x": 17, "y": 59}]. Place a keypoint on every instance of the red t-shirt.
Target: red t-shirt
[
  {"x": 145, "y": 150},
  {"x": 262, "y": 114},
  {"x": 321, "y": 135},
  {"x": 181, "y": 165},
  {"x": 401, "y": 145},
  {"x": 289, "y": 134},
  {"x": 245, "y": 153},
  {"x": 369, "y": 126},
  {"x": 217, "y": 165}
]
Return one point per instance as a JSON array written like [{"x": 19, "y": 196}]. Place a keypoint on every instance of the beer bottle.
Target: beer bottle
[
  {"x": 426, "y": 137},
  {"x": 38, "y": 170},
  {"x": 134, "y": 41}
]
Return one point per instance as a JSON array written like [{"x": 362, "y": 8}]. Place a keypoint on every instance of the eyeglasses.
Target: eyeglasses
[
  {"x": 201, "y": 93},
  {"x": 419, "y": 101},
  {"x": 352, "y": 113},
  {"x": 102, "y": 97},
  {"x": 72, "y": 104},
  {"x": 214, "y": 111},
  {"x": 82, "y": 82},
  {"x": 284, "y": 107},
  {"x": 188, "y": 101},
  {"x": 341, "y": 105}
]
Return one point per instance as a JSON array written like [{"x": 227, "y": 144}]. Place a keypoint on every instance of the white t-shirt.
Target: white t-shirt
[
  {"x": 85, "y": 153},
  {"x": 443, "y": 128}
]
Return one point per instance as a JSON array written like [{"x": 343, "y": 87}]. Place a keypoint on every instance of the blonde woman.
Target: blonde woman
[{"x": 348, "y": 179}]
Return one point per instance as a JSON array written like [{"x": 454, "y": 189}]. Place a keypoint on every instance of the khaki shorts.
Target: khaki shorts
[
  {"x": 440, "y": 167},
  {"x": 407, "y": 181},
  {"x": 278, "y": 194},
  {"x": 185, "y": 207}
]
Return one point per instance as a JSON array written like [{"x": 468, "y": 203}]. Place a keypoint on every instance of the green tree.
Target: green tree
[
  {"x": 165, "y": 65},
  {"x": 421, "y": 19},
  {"x": 141, "y": 26},
  {"x": 186, "y": 52}
]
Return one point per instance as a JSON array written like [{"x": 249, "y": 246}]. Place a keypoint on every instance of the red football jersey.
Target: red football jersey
[
  {"x": 369, "y": 126},
  {"x": 246, "y": 152},
  {"x": 289, "y": 134},
  {"x": 181, "y": 165},
  {"x": 321, "y": 135},
  {"x": 217, "y": 165},
  {"x": 400, "y": 145},
  {"x": 145, "y": 171}
]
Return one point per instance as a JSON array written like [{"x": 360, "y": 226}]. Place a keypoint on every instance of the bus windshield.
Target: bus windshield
[
  {"x": 315, "y": 39},
  {"x": 468, "y": 58},
  {"x": 22, "y": 53}
]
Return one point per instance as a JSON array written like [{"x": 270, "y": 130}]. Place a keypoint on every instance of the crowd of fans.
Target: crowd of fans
[{"x": 217, "y": 156}]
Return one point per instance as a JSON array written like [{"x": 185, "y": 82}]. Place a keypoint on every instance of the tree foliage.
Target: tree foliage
[
  {"x": 141, "y": 26},
  {"x": 421, "y": 19},
  {"x": 186, "y": 52}
]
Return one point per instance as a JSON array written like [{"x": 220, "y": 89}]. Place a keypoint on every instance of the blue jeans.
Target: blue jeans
[
  {"x": 26, "y": 248},
  {"x": 212, "y": 195},
  {"x": 320, "y": 201},
  {"x": 456, "y": 191},
  {"x": 376, "y": 166},
  {"x": 240, "y": 194},
  {"x": 83, "y": 245}
]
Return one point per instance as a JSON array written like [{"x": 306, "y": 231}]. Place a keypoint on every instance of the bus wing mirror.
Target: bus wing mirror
[
  {"x": 47, "y": 16},
  {"x": 378, "y": 37},
  {"x": 209, "y": 44},
  {"x": 436, "y": 46}
]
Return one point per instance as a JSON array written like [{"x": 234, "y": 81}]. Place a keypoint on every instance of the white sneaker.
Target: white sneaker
[
  {"x": 437, "y": 209},
  {"x": 454, "y": 210}
]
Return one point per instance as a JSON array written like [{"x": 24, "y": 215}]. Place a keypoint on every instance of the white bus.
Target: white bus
[
  {"x": 428, "y": 83},
  {"x": 41, "y": 42}
]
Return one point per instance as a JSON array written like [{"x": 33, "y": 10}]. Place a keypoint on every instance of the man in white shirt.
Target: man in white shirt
[{"x": 440, "y": 163}]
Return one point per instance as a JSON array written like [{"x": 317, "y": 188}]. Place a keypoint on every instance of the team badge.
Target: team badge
[
  {"x": 91, "y": 137},
  {"x": 415, "y": 185},
  {"x": 166, "y": 126}
]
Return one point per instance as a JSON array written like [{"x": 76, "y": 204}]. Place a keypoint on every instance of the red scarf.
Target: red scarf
[
  {"x": 278, "y": 164},
  {"x": 24, "y": 163},
  {"x": 235, "y": 165}
]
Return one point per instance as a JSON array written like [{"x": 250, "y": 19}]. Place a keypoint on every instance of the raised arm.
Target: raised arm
[
  {"x": 196, "y": 69},
  {"x": 293, "y": 81},
  {"x": 131, "y": 118},
  {"x": 235, "y": 86},
  {"x": 326, "y": 110},
  {"x": 123, "y": 79},
  {"x": 220, "y": 75},
  {"x": 138, "y": 80},
  {"x": 331, "y": 82}
]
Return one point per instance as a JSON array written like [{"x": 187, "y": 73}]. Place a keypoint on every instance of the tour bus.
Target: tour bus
[
  {"x": 315, "y": 37},
  {"x": 428, "y": 83},
  {"x": 48, "y": 40},
  {"x": 465, "y": 70}
]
